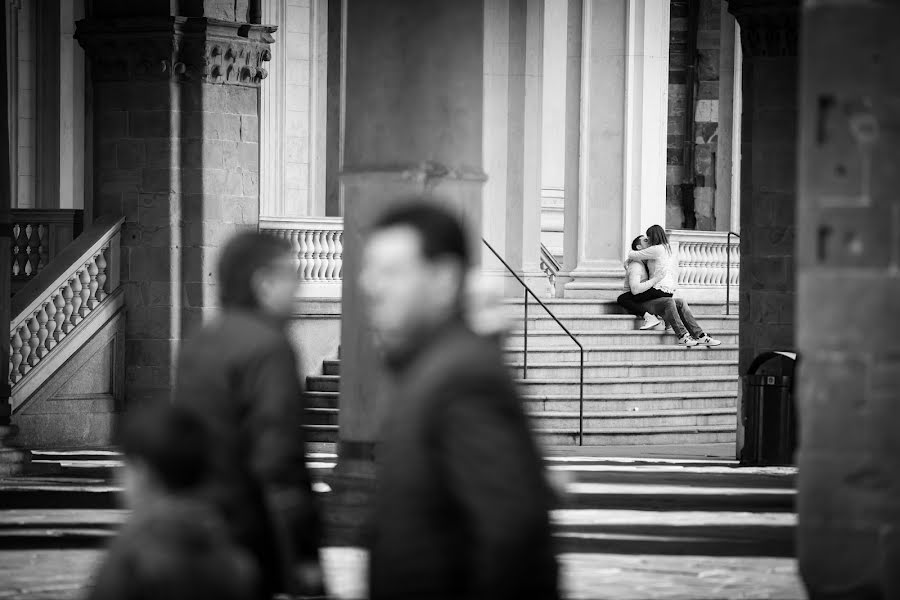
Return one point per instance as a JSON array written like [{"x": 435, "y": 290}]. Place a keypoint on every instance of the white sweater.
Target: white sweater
[{"x": 659, "y": 257}]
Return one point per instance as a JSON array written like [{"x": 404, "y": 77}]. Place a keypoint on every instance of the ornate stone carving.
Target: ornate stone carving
[
  {"x": 177, "y": 49},
  {"x": 768, "y": 27}
]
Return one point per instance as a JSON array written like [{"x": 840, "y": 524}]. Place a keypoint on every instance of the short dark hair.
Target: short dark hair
[
  {"x": 243, "y": 255},
  {"x": 636, "y": 243},
  {"x": 441, "y": 233},
  {"x": 171, "y": 440}
]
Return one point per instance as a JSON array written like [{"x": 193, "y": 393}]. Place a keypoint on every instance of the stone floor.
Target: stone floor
[{"x": 679, "y": 524}]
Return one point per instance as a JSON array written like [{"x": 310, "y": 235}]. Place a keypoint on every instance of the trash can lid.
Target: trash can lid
[{"x": 767, "y": 356}]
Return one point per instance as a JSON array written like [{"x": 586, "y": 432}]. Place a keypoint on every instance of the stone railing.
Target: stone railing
[
  {"x": 56, "y": 301},
  {"x": 38, "y": 236},
  {"x": 703, "y": 260},
  {"x": 550, "y": 267},
  {"x": 318, "y": 245}
]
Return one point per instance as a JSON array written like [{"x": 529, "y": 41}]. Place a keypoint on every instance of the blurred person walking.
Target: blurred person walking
[
  {"x": 239, "y": 375},
  {"x": 462, "y": 503},
  {"x": 173, "y": 546}
]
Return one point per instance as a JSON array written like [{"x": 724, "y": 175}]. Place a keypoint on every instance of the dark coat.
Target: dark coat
[
  {"x": 462, "y": 508},
  {"x": 240, "y": 375},
  {"x": 178, "y": 550}
]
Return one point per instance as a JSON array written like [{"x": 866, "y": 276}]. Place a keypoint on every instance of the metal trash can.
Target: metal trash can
[{"x": 768, "y": 412}]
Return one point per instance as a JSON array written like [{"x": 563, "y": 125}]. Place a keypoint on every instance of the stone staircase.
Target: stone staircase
[{"x": 639, "y": 388}]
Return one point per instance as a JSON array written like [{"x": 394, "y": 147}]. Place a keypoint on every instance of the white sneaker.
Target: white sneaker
[
  {"x": 705, "y": 340},
  {"x": 650, "y": 321},
  {"x": 687, "y": 341}
]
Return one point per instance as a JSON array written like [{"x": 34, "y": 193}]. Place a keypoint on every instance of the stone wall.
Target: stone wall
[
  {"x": 768, "y": 178},
  {"x": 177, "y": 153},
  {"x": 696, "y": 211}
]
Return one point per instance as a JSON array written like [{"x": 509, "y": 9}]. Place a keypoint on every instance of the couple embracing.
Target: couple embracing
[{"x": 652, "y": 278}]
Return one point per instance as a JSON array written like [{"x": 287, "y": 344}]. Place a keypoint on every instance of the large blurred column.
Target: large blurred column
[
  {"x": 513, "y": 95},
  {"x": 621, "y": 142},
  {"x": 848, "y": 262},
  {"x": 413, "y": 127}
]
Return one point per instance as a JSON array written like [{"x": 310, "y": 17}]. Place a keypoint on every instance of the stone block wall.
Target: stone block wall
[
  {"x": 698, "y": 211},
  {"x": 768, "y": 180},
  {"x": 176, "y": 153}
]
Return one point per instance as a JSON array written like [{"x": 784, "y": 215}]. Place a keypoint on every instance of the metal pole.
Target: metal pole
[
  {"x": 525, "y": 354},
  {"x": 581, "y": 402}
]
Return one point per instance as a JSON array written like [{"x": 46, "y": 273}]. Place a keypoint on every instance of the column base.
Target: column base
[
  {"x": 348, "y": 508},
  {"x": 603, "y": 284}
]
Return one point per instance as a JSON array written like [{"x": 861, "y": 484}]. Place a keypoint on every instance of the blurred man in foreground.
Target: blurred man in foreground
[
  {"x": 239, "y": 375},
  {"x": 462, "y": 508}
]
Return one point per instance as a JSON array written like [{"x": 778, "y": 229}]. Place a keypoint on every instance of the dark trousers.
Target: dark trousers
[{"x": 634, "y": 303}]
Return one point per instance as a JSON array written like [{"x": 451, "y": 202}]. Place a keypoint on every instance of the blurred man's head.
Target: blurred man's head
[
  {"x": 257, "y": 272},
  {"x": 413, "y": 272},
  {"x": 166, "y": 450}
]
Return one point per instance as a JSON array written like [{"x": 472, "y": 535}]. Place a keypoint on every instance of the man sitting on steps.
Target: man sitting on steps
[{"x": 676, "y": 312}]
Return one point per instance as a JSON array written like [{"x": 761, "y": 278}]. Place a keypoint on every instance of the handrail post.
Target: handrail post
[
  {"x": 581, "y": 401},
  {"x": 525, "y": 354}
]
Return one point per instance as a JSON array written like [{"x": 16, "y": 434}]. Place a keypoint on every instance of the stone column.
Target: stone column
[
  {"x": 848, "y": 263},
  {"x": 729, "y": 92},
  {"x": 5, "y": 232},
  {"x": 622, "y": 150},
  {"x": 513, "y": 95},
  {"x": 176, "y": 152},
  {"x": 768, "y": 175},
  {"x": 414, "y": 76}
]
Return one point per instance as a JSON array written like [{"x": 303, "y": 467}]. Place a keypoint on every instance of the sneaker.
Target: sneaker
[
  {"x": 705, "y": 340},
  {"x": 650, "y": 321},
  {"x": 687, "y": 341}
]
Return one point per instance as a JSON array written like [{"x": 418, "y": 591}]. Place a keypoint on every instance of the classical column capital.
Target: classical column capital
[
  {"x": 768, "y": 27},
  {"x": 177, "y": 49}
]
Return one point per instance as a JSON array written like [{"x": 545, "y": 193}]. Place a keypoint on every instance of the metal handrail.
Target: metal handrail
[
  {"x": 728, "y": 271},
  {"x": 564, "y": 328}
]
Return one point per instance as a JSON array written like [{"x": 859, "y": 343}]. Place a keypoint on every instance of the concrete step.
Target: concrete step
[
  {"x": 321, "y": 399},
  {"x": 625, "y": 369},
  {"x": 635, "y": 385},
  {"x": 567, "y": 307},
  {"x": 321, "y": 416},
  {"x": 642, "y": 353},
  {"x": 558, "y": 420},
  {"x": 607, "y": 338},
  {"x": 634, "y": 402},
  {"x": 321, "y": 433},
  {"x": 541, "y": 321},
  {"x": 700, "y": 434}
]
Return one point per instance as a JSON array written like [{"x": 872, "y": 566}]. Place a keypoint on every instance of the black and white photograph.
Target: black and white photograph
[{"x": 450, "y": 299}]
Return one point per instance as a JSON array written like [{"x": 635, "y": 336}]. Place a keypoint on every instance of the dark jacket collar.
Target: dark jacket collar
[{"x": 402, "y": 359}]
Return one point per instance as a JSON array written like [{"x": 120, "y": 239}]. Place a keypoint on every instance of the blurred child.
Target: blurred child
[{"x": 173, "y": 546}]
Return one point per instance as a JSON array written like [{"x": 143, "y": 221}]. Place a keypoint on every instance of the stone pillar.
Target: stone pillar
[
  {"x": 414, "y": 73},
  {"x": 176, "y": 152},
  {"x": 728, "y": 91},
  {"x": 768, "y": 175},
  {"x": 848, "y": 263},
  {"x": 622, "y": 150},
  {"x": 553, "y": 133},
  {"x": 5, "y": 231},
  {"x": 513, "y": 94}
]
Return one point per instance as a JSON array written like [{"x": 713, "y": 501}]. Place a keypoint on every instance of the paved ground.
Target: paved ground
[{"x": 687, "y": 523}]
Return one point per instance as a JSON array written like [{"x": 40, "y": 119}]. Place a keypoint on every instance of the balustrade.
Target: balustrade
[
  {"x": 38, "y": 235},
  {"x": 318, "y": 248},
  {"x": 67, "y": 301},
  {"x": 703, "y": 259}
]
